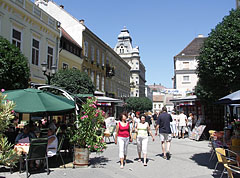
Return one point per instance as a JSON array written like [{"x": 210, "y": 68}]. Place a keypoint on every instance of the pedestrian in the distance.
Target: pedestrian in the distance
[
  {"x": 182, "y": 119},
  {"x": 142, "y": 130},
  {"x": 163, "y": 124},
  {"x": 189, "y": 124},
  {"x": 122, "y": 137},
  {"x": 173, "y": 124}
]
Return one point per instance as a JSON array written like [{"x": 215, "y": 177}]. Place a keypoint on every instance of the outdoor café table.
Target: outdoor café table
[{"x": 22, "y": 148}]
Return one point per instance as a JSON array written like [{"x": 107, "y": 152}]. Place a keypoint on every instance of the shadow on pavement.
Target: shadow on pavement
[
  {"x": 97, "y": 162},
  {"x": 202, "y": 159}
]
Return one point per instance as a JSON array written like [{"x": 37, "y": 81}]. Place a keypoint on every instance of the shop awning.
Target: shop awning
[
  {"x": 184, "y": 99},
  {"x": 105, "y": 99}
]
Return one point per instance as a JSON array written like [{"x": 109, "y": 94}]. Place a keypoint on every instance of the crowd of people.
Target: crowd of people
[{"x": 138, "y": 126}]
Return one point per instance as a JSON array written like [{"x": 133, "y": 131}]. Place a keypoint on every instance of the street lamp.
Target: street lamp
[{"x": 49, "y": 75}]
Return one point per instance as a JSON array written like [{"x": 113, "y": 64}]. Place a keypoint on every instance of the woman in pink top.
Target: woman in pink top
[{"x": 122, "y": 137}]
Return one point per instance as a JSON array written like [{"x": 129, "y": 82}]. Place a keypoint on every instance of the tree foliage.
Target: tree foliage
[
  {"x": 8, "y": 157},
  {"x": 14, "y": 70},
  {"x": 74, "y": 81},
  {"x": 219, "y": 60},
  {"x": 139, "y": 103}
]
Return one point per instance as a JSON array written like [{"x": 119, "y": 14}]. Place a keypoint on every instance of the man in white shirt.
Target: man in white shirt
[{"x": 182, "y": 121}]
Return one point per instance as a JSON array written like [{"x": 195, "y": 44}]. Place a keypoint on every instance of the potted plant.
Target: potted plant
[{"x": 89, "y": 132}]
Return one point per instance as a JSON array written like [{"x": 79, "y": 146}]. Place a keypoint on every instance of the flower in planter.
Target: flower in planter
[{"x": 89, "y": 130}]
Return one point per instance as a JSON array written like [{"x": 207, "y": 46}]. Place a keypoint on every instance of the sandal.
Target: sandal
[
  {"x": 139, "y": 160},
  {"x": 121, "y": 167},
  {"x": 145, "y": 164}
]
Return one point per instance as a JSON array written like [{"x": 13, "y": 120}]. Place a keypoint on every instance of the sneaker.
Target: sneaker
[{"x": 168, "y": 155}]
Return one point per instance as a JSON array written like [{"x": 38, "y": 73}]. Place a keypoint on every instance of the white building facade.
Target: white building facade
[
  {"x": 185, "y": 64},
  {"x": 130, "y": 55}
]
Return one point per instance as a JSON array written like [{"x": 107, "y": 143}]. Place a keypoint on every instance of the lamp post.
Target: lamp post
[{"x": 51, "y": 73}]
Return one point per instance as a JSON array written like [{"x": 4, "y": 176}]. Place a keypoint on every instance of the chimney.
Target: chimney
[
  {"x": 200, "y": 36},
  {"x": 61, "y": 6},
  {"x": 81, "y": 21}
]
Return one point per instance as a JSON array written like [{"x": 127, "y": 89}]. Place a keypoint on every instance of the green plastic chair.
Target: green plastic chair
[{"x": 37, "y": 151}]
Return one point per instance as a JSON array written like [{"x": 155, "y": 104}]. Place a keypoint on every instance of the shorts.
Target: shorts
[
  {"x": 165, "y": 137},
  {"x": 182, "y": 128}
]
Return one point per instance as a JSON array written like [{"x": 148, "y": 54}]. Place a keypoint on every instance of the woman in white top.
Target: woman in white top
[
  {"x": 142, "y": 130},
  {"x": 52, "y": 143}
]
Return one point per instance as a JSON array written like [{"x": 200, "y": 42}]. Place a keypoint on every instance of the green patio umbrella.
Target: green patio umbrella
[{"x": 36, "y": 101}]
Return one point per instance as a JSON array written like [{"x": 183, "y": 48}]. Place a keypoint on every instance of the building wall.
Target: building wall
[
  {"x": 69, "y": 59},
  {"x": 32, "y": 23},
  {"x": 131, "y": 56}
]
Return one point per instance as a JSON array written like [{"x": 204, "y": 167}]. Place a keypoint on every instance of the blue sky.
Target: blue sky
[{"x": 161, "y": 28}]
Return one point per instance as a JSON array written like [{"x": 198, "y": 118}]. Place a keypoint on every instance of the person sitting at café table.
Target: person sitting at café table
[
  {"x": 52, "y": 143},
  {"x": 25, "y": 134}
]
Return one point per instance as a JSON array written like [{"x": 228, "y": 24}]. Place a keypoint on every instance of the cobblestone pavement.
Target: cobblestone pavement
[{"x": 189, "y": 160}]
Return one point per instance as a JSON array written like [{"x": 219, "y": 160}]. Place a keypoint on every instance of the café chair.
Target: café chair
[
  {"x": 223, "y": 159},
  {"x": 214, "y": 145},
  {"x": 37, "y": 151},
  {"x": 232, "y": 170},
  {"x": 229, "y": 165}
]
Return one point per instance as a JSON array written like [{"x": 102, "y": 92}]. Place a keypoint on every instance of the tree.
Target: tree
[
  {"x": 219, "y": 60},
  {"x": 14, "y": 70},
  {"x": 74, "y": 81},
  {"x": 139, "y": 104}
]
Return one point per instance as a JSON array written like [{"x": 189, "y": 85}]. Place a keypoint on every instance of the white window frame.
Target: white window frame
[
  {"x": 21, "y": 41},
  {"x": 92, "y": 76},
  {"x": 48, "y": 66},
  {"x": 33, "y": 38},
  {"x": 66, "y": 64},
  {"x": 36, "y": 9},
  {"x": 103, "y": 89},
  {"x": 103, "y": 58},
  {"x": 85, "y": 48},
  {"x": 97, "y": 81},
  {"x": 186, "y": 65},
  {"x": 186, "y": 77}
]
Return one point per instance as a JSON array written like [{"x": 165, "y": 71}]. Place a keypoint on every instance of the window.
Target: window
[
  {"x": 107, "y": 62},
  {"x": 86, "y": 48},
  {"x": 51, "y": 21},
  {"x": 121, "y": 49},
  {"x": 103, "y": 83},
  {"x": 98, "y": 57},
  {"x": 75, "y": 68},
  {"x": 154, "y": 105},
  {"x": 186, "y": 78},
  {"x": 97, "y": 82},
  {"x": 64, "y": 66},
  {"x": 103, "y": 58},
  {"x": 159, "y": 106},
  {"x": 137, "y": 63},
  {"x": 35, "y": 52},
  {"x": 37, "y": 11},
  {"x": 92, "y": 53},
  {"x": 92, "y": 76},
  {"x": 185, "y": 65},
  {"x": 16, "y": 38},
  {"x": 49, "y": 57}
]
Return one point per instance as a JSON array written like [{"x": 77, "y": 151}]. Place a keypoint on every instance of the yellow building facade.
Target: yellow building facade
[{"x": 32, "y": 30}]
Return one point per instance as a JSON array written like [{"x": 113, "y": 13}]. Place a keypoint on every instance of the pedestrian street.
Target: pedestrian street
[{"x": 189, "y": 160}]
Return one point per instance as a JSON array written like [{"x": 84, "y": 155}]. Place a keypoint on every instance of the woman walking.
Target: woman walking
[
  {"x": 122, "y": 137},
  {"x": 142, "y": 130},
  {"x": 189, "y": 124}
]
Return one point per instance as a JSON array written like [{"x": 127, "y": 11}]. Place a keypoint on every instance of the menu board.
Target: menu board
[{"x": 197, "y": 132}]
